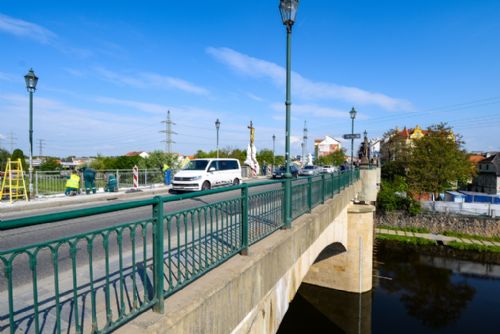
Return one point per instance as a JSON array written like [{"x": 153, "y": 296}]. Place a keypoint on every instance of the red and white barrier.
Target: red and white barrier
[{"x": 135, "y": 171}]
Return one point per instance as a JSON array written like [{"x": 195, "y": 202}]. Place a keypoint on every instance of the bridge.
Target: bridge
[{"x": 224, "y": 260}]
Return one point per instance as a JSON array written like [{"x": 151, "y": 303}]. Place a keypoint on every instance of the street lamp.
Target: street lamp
[
  {"x": 217, "y": 126},
  {"x": 274, "y": 146},
  {"x": 353, "y": 116},
  {"x": 288, "y": 11},
  {"x": 31, "y": 81}
]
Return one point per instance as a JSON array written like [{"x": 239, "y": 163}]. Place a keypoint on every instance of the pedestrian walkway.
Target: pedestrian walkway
[{"x": 437, "y": 237}]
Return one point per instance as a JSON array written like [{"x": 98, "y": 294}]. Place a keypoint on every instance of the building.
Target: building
[
  {"x": 141, "y": 154},
  {"x": 326, "y": 146},
  {"x": 488, "y": 175}
]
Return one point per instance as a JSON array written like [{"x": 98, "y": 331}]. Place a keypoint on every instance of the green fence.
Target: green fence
[
  {"x": 95, "y": 281},
  {"x": 54, "y": 182}
]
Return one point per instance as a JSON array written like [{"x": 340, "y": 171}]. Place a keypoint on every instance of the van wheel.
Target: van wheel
[
  {"x": 205, "y": 186},
  {"x": 236, "y": 182}
]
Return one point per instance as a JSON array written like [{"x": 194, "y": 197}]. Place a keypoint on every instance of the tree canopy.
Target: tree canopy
[
  {"x": 50, "y": 163},
  {"x": 336, "y": 158},
  {"x": 438, "y": 162}
]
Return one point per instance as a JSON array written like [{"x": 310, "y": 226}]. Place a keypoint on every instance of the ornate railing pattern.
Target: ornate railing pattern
[{"x": 96, "y": 281}]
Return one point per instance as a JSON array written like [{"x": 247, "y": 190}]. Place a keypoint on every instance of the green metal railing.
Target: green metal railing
[
  {"x": 54, "y": 182},
  {"x": 96, "y": 281}
]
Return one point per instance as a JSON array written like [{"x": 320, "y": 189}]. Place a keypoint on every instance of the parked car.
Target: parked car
[
  {"x": 328, "y": 169},
  {"x": 280, "y": 172},
  {"x": 205, "y": 174},
  {"x": 310, "y": 171}
]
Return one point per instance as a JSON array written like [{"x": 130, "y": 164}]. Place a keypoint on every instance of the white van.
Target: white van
[{"x": 204, "y": 174}]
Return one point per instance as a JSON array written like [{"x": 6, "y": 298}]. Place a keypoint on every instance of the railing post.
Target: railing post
[
  {"x": 288, "y": 203},
  {"x": 333, "y": 184},
  {"x": 36, "y": 183},
  {"x": 244, "y": 219},
  {"x": 309, "y": 194},
  {"x": 117, "y": 179},
  {"x": 145, "y": 177},
  {"x": 323, "y": 188},
  {"x": 158, "y": 247}
]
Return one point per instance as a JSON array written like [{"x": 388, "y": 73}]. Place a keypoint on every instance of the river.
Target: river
[{"x": 430, "y": 289}]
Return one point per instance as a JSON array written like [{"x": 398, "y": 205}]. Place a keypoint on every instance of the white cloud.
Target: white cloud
[
  {"x": 313, "y": 110},
  {"x": 145, "y": 79},
  {"x": 303, "y": 87},
  {"x": 138, "y": 105},
  {"x": 255, "y": 97},
  {"x": 295, "y": 140},
  {"x": 26, "y": 29}
]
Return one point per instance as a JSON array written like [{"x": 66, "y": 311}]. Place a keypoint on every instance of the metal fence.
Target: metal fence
[
  {"x": 94, "y": 282},
  {"x": 471, "y": 209},
  {"x": 54, "y": 182}
]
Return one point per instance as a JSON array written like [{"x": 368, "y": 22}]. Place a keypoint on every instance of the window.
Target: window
[
  {"x": 214, "y": 164},
  {"x": 228, "y": 164}
]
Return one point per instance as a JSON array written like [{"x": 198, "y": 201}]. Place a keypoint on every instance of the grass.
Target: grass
[
  {"x": 407, "y": 240},
  {"x": 470, "y": 236},
  {"x": 473, "y": 247},
  {"x": 406, "y": 229}
]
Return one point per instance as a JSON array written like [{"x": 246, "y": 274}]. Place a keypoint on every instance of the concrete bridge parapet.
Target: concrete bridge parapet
[{"x": 251, "y": 294}]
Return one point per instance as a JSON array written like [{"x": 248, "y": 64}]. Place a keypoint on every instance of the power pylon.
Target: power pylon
[{"x": 168, "y": 133}]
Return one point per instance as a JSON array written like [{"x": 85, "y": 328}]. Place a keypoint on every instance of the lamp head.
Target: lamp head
[
  {"x": 288, "y": 11},
  {"x": 353, "y": 113},
  {"x": 31, "y": 80}
]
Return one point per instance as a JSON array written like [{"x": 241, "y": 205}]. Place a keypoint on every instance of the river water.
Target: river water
[{"x": 430, "y": 289}]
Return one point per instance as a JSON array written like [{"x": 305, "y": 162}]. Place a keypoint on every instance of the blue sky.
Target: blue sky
[{"x": 109, "y": 71}]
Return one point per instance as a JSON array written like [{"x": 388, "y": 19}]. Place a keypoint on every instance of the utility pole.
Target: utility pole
[
  {"x": 12, "y": 141},
  {"x": 41, "y": 144},
  {"x": 168, "y": 133},
  {"x": 304, "y": 143}
]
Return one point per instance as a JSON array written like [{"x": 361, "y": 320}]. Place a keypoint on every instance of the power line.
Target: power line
[{"x": 168, "y": 133}]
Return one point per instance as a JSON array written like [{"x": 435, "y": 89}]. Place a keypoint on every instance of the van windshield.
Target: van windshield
[{"x": 196, "y": 165}]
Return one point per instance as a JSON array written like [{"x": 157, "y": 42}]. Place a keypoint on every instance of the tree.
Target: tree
[
  {"x": 336, "y": 158},
  {"x": 394, "y": 155},
  {"x": 50, "y": 163},
  {"x": 19, "y": 154},
  {"x": 4, "y": 156},
  {"x": 265, "y": 156},
  {"x": 158, "y": 158},
  {"x": 437, "y": 161}
]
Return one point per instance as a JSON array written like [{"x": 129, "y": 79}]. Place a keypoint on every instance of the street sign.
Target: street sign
[{"x": 352, "y": 136}]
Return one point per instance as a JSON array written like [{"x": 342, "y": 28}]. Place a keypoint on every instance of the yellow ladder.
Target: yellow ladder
[{"x": 13, "y": 185}]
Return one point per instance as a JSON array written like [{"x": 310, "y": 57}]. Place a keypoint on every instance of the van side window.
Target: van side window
[
  {"x": 223, "y": 165},
  {"x": 214, "y": 164},
  {"x": 232, "y": 164}
]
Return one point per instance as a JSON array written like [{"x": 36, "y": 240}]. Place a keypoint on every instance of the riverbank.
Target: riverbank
[
  {"x": 441, "y": 223},
  {"x": 460, "y": 242}
]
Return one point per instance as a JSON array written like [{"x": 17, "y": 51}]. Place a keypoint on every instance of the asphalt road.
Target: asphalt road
[{"x": 25, "y": 236}]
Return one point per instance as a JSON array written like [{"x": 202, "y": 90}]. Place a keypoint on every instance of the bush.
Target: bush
[{"x": 393, "y": 196}]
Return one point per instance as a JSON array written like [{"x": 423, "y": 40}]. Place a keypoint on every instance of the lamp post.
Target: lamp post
[
  {"x": 217, "y": 126},
  {"x": 353, "y": 116},
  {"x": 288, "y": 11},
  {"x": 274, "y": 146},
  {"x": 31, "y": 81}
]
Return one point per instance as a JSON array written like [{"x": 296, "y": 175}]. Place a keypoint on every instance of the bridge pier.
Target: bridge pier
[{"x": 350, "y": 268}]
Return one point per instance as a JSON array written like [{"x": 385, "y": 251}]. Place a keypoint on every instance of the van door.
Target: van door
[{"x": 213, "y": 173}]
